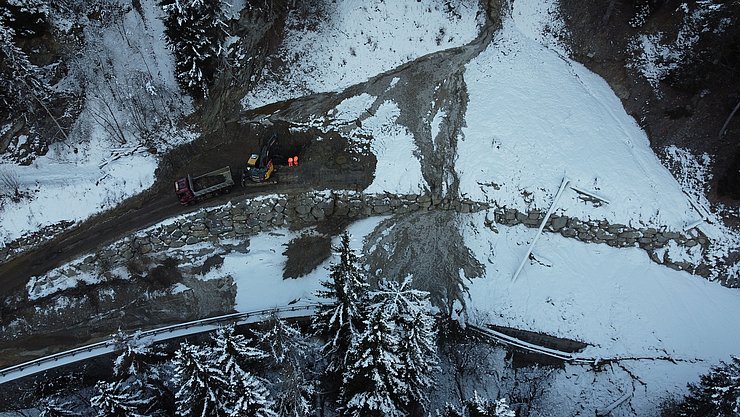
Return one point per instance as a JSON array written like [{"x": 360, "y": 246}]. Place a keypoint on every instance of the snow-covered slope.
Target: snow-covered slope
[
  {"x": 359, "y": 39},
  {"x": 398, "y": 169},
  {"x": 615, "y": 299},
  {"x": 535, "y": 116},
  {"x": 95, "y": 170}
]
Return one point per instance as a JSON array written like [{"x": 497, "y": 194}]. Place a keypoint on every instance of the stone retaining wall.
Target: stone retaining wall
[
  {"x": 616, "y": 235},
  {"x": 296, "y": 211},
  {"x": 261, "y": 214},
  {"x": 32, "y": 240}
]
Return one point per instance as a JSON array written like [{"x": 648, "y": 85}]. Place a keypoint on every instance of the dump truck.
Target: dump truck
[{"x": 192, "y": 189}]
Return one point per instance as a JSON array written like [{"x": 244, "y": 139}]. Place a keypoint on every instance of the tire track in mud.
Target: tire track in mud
[{"x": 106, "y": 228}]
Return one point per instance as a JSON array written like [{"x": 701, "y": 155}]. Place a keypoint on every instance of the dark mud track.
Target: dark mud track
[{"x": 230, "y": 146}]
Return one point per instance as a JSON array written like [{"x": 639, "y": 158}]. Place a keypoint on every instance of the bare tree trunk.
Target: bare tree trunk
[
  {"x": 727, "y": 122},
  {"x": 609, "y": 11},
  {"x": 33, "y": 93}
]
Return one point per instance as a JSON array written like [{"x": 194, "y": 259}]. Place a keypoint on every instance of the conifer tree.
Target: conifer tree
[
  {"x": 481, "y": 407},
  {"x": 449, "y": 410},
  {"x": 372, "y": 384},
  {"x": 717, "y": 394},
  {"x": 19, "y": 78},
  {"x": 196, "y": 31},
  {"x": 136, "y": 366},
  {"x": 410, "y": 310},
  {"x": 339, "y": 323},
  {"x": 288, "y": 350},
  {"x": 478, "y": 407},
  {"x": 114, "y": 399},
  {"x": 247, "y": 394},
  {"x": 296, "y": 392},
  {"x": 54, "y": 408},
  {"x": 282, "y": 341},
  {"x": 203, "y": 388},
  {"x": 135, "y": 358}
]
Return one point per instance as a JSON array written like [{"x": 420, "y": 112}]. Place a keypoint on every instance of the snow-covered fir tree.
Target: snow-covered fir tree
[
  {"x": 202, "y": 387},
  {"x": 19, "y": 78},
  {"x": 717, "y": 394},
  {"x": 282, "y": 341},
  {"x": 135, "y": 358},
  {"x": 32, "y": 7},
  {"x": 196, "y": 31},
  {"x": 450, "y": 410},
  {"x": 247, "y": 394},
  {"x": 339, "y": 322},
  {"x": 114, "y": 399},
  {"x": 481, "y": 407},
  {"x": 136, "y": 365},
  {"x": 295, "y": 392},
  {"x": 53, "y": 407},
  {"x": 410, "y": 310},
  {"x": 371, "y": 384},
  {"x": 288, "y": 351}
]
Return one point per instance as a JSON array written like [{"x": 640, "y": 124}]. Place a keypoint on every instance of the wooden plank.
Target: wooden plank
[
  {"x": 606, "y": 411},
  {"x": 590, "y": 194},
  {"x": 542, "y": 226}
]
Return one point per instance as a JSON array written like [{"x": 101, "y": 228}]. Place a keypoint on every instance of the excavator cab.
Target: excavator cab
[{"x": 260, "y": 167}]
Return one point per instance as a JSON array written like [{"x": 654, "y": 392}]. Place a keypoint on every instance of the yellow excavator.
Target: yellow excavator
[{"x": 260, "y": 166}]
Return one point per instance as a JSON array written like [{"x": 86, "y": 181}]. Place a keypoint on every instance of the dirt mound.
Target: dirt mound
[{"x": 305, "y": 253}]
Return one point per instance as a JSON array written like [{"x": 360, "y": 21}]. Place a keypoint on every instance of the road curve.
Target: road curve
[{"x": 151, "y": 336}]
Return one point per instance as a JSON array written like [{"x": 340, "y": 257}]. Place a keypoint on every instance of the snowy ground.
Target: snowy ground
[
  {"x": 533, "y": 117},
  {"x": 614, "y": 298},
  {"x": 65, "y": 186},
  {"x": 94, "y": 171},
  {"x": 258, "y": 274},
  {"x": 358, "y": 39},
  {"x": 398, "y": 169}
]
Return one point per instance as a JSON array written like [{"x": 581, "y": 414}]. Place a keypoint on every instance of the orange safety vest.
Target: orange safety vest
[
  {"x": 295, "y": 160},
  {"x": 290, "y": 162}
]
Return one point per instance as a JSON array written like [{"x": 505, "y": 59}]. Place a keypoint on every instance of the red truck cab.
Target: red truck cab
[{"x": 183, "y": 191}]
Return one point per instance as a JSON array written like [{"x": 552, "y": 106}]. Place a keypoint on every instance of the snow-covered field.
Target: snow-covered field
[
  {"x": 95, "y": 171},
  {"x": 358, "y": 39},
  {"x": 398, "y": 169},
  {"x": 72, "y": 187}
]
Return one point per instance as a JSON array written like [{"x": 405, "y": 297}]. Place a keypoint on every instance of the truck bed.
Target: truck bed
[
  {"x": 200, "y": 183},
  {"x": 212, "y": 181}
]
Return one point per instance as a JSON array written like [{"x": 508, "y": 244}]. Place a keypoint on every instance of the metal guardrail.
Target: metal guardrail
[
  {"x": 155, "y": 335},
  {"x": 518, "y": 343},
  {"x": 211, "y": 323}
]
